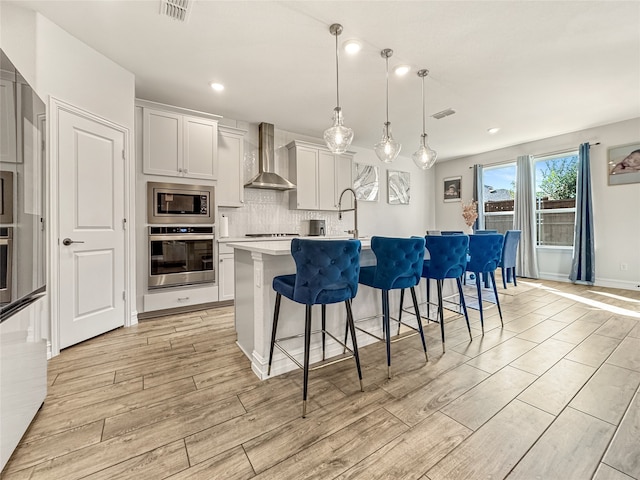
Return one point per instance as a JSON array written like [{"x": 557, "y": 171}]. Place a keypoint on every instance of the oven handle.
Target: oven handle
[{"x": 178, "y": 238}]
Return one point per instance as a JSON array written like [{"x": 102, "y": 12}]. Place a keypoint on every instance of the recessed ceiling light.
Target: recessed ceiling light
[
  {"x": 352, "y": 46},
  {"x": 401, "y": 70},
  {"x": 218, "y": 87},
  {"x": 493, "y": 130}
]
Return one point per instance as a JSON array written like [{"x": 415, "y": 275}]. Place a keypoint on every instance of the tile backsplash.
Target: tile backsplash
[{"x": 267, "y": 211}]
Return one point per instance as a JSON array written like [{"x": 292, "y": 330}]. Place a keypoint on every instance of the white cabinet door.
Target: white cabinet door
[
  {"x": 327, "y": 181},
  {"x": 320, "y": 177},
  {"x": 230, "y": 191},
  {"x": 226, "y": 286},
  {"x": 200, "y": 146},
  {"x": 344, "y": 179},
  {"x": 303, "y": 168},
  {"x": 162, "y": 143}
]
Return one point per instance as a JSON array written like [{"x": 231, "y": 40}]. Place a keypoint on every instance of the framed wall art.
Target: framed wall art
[
  {"x": 452, "y": 189},
  {"x": 366, "y": 182},
  {"x": 623, "y": 163},
  {"x": 398, "y": 184}
]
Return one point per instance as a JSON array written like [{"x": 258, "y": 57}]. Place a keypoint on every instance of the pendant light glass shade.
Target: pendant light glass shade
[
  {"x": 425, "y": 156},
  {"x": 387, "y": 149},
  {"x": 338, "y": 137}
]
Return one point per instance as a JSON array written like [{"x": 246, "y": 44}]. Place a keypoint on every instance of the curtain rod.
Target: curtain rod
[{"x": 538, "y": 155}]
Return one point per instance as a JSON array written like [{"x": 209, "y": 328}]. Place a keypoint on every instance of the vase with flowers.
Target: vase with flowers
[{"x": 470, "y": 213}]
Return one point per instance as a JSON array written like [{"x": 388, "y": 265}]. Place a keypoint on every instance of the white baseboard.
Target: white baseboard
[
  {"x": 600, "y": 282},
  {"x": 622, "y": 284}
]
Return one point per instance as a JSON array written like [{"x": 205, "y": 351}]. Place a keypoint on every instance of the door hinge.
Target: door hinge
[
  {"x": 124, "y": 295},
  {"x": 124, "y": 223}
]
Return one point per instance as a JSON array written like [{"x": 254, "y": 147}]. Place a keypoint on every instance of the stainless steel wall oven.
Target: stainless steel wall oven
[
  {"x": 181, "y": 256},
  {"x": 180, "y": 203}
]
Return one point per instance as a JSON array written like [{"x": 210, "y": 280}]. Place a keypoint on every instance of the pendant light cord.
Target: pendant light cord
[
  {"x": 387, "y": 60},
  {"x": 424, "y": 119},
  {"x": 337, "y": 75}
]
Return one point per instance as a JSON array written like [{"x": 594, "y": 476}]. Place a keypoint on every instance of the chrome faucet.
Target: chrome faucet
[{"x": 354, "y": 232}]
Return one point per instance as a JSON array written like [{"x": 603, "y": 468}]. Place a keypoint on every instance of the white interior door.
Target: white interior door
[{"x": 91, "y": 213}]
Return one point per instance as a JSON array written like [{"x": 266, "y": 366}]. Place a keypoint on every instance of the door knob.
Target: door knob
[{"x": 68, "y": 241}]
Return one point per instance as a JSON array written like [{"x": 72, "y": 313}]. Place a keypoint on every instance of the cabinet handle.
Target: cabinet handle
[
  {"x": 183, "y": 299},
  {"x": 185, "y": 170},
  {"x": 179, "y": 170}
]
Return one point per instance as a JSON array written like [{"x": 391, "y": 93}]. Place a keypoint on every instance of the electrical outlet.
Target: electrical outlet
[{"x": 624, "y": 267}]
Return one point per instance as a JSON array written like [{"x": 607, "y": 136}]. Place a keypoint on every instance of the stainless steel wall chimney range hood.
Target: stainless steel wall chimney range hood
[{"x": 267, "y": 178}]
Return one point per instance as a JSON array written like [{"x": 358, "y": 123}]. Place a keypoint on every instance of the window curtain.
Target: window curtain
[
  {"x": 478, "y": 191},
  {"x": 583, "y": 263},
  {"x": 524, "y": 217}
]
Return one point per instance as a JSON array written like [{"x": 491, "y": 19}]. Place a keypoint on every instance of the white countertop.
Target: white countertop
[
  {"x": 281, "y": 245},
  {"x": 277, "y": 239}
]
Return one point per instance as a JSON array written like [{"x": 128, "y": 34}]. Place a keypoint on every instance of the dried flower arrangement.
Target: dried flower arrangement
[{"x": 470, "y": 212}]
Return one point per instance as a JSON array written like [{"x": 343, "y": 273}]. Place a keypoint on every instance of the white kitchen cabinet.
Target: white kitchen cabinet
[
  {"x": 226, "y": 274},
  {"x": 226, "y": 288},
  {"x": 163, "y": 299},
  {"x": 178, "y": 145},
  {"x": 319, "y": 175},
  {"x": 230, "y": 191}
]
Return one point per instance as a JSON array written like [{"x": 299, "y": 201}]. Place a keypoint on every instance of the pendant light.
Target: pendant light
[
  {"x": 387, "y": 149},
  {"x": 338, "y": 137},
  {"x": 424, "y": 157}
]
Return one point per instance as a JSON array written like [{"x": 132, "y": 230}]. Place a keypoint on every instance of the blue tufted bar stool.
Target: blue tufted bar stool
[
  {"x": 326, "y": 272},
  {"x": 485, "y": 252},
  {"x": 508, "y": 259},
  {"x": 447, "y": 259},
  {"x": 398, "y": 266}
]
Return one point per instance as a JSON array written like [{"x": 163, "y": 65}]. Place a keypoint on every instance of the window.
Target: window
[
  {"x": 498, "y": 194},
  {"x": 556, "y": 177}
]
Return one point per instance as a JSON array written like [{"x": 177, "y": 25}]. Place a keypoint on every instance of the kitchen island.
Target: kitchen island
[{"x": 256, "y": 263}]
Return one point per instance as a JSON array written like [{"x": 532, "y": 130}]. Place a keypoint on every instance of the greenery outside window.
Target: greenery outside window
[{"x": 555, "y": 179}]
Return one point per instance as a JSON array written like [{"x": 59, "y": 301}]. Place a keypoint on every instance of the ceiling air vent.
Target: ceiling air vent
[
  {"x": 443, "y": 113},
  {"x": 176, "y": 9}
]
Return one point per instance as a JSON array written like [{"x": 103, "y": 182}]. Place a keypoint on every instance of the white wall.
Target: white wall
[
  {"x": 616, "y": 218},
  {"x": 58, "y": 65}
]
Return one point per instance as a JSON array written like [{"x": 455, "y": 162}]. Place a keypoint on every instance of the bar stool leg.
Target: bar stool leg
[
  {"x": 464, "y": 307},
  {"x": 513, "y": 275},
  {"x": 307, "y": 344},
  {"x": 505, "y": 275},
  {"x": 419, "y": 319},
  {"x": 479, "y": 288},
  {"x": 400, "y": 312},
  {"x": 495, "y": 292},
  {"x": 276, "y": 314},
  {"x": 352, "y": 327},
  {"x": 387, "y": 328},
  {"x": 441, "y": 311},
  {"x": 428, "y": 299},
  {"x": 324, "y": 328}
]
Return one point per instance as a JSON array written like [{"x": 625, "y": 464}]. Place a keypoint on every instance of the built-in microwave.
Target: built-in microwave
[{"x": 180, "y": 203}]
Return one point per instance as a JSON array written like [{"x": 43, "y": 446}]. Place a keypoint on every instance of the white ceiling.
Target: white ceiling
[{"x": 533, "y": 68}]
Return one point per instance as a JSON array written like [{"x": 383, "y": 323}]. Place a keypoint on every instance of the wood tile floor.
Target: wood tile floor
[{"x": 552, "y": 395}]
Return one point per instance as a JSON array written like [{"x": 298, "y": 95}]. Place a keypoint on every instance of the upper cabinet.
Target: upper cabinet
[
  {"x": 320, "y": 177},
  {"x": 179, "y": 145},
  {"x": 230, "y": 191}
]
